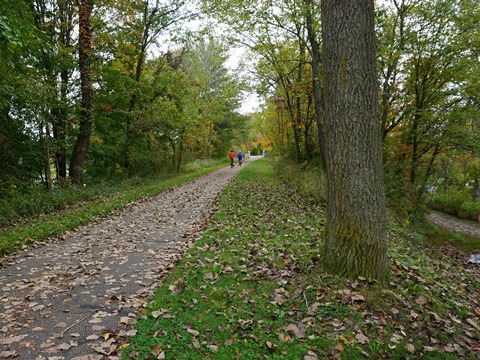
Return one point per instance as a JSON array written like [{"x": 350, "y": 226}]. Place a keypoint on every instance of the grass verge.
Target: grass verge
[
  {"x": 252, "y": 288},
  {"x": 76, "y": 214}
]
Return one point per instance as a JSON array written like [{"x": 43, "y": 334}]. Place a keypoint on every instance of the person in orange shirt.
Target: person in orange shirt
[{"x": 232, "y": 158}]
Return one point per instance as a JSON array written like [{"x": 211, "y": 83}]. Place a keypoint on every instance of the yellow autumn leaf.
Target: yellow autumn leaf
[
  {"x": 344, "y": 339},
  {"x": 106, "y": 335}
]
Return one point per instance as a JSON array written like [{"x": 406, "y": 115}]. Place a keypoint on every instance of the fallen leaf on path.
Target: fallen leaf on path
[
  {"x": 64, "y": 346},
  {"x": 11, "y": 340},
  {"x": 88, "y": 357},
  {"x": 8, "y": 354}
]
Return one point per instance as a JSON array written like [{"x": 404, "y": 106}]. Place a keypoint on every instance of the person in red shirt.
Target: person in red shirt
[{"x": 232, "y": 158}]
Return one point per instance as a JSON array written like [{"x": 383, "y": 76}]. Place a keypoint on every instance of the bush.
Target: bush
[{"x": 456, "y": 204}]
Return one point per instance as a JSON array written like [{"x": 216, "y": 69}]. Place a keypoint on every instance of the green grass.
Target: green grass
[
  {"x": 255, "y": 276},
  {"x": 83, "y": 208}
]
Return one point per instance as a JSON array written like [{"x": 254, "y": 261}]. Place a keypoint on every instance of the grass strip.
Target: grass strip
[
  {"x": 57, "y": 223},
  {"x": 252, "y": 288}
]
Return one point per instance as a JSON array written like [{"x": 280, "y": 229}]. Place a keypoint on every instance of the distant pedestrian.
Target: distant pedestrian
[
  {"x": 232, "y": 158},
  {"x": 240, "y": 158}
]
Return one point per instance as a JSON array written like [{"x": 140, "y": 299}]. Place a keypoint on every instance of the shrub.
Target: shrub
[{"x": 456, "y": 204}]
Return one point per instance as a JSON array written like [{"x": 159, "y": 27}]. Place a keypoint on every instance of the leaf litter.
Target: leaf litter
[
  {"x": 265, "y": 250},
  {"x": 93, "y": 281}
]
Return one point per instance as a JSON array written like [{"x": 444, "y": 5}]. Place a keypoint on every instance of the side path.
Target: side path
[
  {"x": 74, "y": 298},
  {"x": 453, "y": 224}
]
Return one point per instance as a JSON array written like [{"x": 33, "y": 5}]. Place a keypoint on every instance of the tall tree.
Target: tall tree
[
  {"x": 355, "y": 239},
  {"x": 429, "y": 74},
  {"x": 86, "y": 117}
]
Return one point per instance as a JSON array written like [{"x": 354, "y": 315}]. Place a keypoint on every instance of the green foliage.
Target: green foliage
[
  {"x": 428, "y": 73},
  {"x": 456, "y": 203}
]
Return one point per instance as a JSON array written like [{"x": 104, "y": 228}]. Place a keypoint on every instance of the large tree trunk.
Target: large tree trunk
[
  {"x": 355, "y": 239},
  {"x": 83, "y": 138}
]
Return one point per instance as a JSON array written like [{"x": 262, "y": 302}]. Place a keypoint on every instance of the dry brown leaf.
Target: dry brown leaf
[
  {"x": 195, "y": 343},
  {"x": 358, "y": 297},
  {"x": 410, "y": 348},
  {"x": 11, "y": 340},
  {"x": 473, "y": 323},
  {"x": 64, "y": 346},
  {"x": 296, "y": 329},
  {"x": 421, "y": 300},
  {"x": 8, "y": 354},
  {"x": 156, "y": 350},
  {"x": 311, "y": 356},
  {"x": 88, "y": 357},
  {"x": 362, "y": 339},
  {"x": 193, "y": 332}
]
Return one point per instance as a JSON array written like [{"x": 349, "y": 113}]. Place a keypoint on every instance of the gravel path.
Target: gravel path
[
  {"x": 78, "y": 297},
  {"x": 453, "y": 224}
]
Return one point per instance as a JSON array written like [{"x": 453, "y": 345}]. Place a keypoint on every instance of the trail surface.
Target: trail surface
[
  {"x": 77, "y": 297},
  {"x": 453, "y": 224}
]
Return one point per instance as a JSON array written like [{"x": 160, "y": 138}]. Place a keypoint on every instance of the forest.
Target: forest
[
  {"x": 101, "y": 90},
  {"x": 368, "y": 114},
  {"x": 97, "y": 90}
]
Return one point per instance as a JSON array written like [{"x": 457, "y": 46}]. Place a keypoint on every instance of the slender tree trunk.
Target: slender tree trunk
[
  {"x": 138, "y": 77},
  {"x": 355, "y": 239},
  {"x": 66, "y": 10},
  {"x": 317, "y": 85},
  {"x": 179, "y": 155},
  {"x": 83, "y": 139},
  {"x": 476, "y": 190},
  {"x": 44, "y": 138}
]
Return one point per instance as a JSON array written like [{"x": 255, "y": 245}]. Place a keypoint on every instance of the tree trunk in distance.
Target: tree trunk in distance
[
  {"x": 355, "y": 239},
  {"x": 317, "y": 86},
  {"x": 83, "y": 138}
]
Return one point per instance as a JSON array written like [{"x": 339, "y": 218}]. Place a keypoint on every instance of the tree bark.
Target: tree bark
[
  {"x": 83, "y": 139},
  {"x": 355, "y": 239}
]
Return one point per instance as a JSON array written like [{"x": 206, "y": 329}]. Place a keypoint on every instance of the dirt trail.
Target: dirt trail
[
  {"x": 76, "y": 297},
  {"x": 453, "y": 224}
]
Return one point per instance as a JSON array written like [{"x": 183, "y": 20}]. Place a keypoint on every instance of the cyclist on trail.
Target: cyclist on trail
[
  {"x": 232, "y": 158},
  {"x": 240, "y": 158}
]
